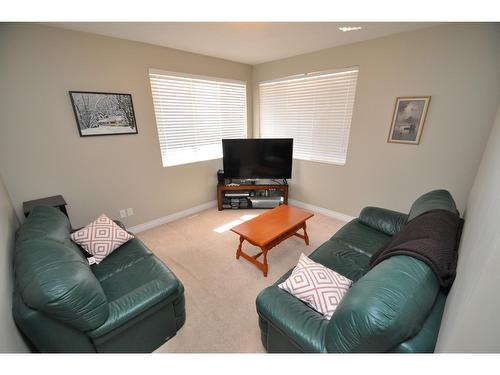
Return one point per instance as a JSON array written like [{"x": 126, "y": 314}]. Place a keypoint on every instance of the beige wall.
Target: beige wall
[
  {"x": 10, "y": 338},
  {"x": 470, "y": 320},
  {"x": 458, "y": 65},
  {"x": 41, "y": 153}
]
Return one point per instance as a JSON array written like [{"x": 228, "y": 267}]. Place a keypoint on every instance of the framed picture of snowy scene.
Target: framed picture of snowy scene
[
  {"x": 408, "y": 119},
  {"x": 103, "y": 113}
]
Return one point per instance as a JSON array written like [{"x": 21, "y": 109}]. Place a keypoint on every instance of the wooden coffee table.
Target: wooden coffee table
[{"x": 270, "y": 229}]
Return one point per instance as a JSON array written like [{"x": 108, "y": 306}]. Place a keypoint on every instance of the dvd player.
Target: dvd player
[
  {"x": 237, "y": 194},
  {"x": 266, "y": 202}
]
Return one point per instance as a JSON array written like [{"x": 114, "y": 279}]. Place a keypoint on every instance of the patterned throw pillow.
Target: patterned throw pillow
[
  {"x": 318, "y": 286},
  {"x": 101, "y": 237}
]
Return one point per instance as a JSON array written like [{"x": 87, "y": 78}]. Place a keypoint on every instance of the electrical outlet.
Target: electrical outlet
[
  {"x": 123, "y": 213},
  {"x": 130, "y": 211}
]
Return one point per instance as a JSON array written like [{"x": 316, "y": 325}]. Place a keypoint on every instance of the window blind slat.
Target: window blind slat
[
  {"x": 315, "y": 111},
  {"x": 194, "y": 113}
]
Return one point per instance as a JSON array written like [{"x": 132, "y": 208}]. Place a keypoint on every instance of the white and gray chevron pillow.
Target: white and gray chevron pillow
[
  {"x": 318, "y": 286},
  {"x": 101, "y": 237}
]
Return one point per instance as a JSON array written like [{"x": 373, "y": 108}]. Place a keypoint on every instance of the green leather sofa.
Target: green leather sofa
[
  {"x": 394, "y": 307},
  {"x": 130, "y": 302}
]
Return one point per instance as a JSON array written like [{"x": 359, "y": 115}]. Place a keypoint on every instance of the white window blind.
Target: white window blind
[
  {"x": 194, "y": 113},
  {"x": 314, "y": 110}
]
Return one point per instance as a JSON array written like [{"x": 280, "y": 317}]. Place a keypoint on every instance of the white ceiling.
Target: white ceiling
[{"x": 245, "y": 42}]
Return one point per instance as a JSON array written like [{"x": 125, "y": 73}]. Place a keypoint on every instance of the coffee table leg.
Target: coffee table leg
[
  {"x": 306, "y": 237},
  {"x": 265, "y": 267},
  {"x": 253, "y": 258},
  {"x": 238, "y": 251}
]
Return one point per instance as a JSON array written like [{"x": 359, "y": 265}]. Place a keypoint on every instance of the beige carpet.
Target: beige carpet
[{"x": 220, "y": 290}]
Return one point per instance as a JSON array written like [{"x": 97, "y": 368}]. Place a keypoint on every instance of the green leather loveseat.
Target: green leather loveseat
[
  {"x": 130, "y": 302},
  {"x": 394, "y": 307}
]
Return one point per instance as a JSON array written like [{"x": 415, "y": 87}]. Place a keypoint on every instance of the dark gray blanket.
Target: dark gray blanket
[{"x": 432, "y": 237}]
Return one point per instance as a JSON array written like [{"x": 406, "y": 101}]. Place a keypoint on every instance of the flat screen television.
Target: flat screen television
[{"x": 253, "y": 159}]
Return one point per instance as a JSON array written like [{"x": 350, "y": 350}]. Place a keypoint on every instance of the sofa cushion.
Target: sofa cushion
[
  {"x": 361, "y": 237},
  {"x": 134, "y": 289},
  {"x": 101, "y": 237},
  {"x": 433, "y": 200},
  {"x": 341, "y": 258},
  {"x": 318, "y": 286},
  {"x": 129, "y": 253}
]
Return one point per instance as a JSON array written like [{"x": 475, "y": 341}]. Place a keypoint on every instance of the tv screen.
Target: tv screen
[{"x": 257, "y": 158}]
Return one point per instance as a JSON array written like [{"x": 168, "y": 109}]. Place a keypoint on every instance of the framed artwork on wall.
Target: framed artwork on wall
[
  {"x": 408, "y": 119},
  {"x": 103, "y": 113}
]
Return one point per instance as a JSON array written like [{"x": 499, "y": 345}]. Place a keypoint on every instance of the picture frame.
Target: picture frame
[
  {"x": 408, "y": 119},
  {"x": 103, "y": 113}
]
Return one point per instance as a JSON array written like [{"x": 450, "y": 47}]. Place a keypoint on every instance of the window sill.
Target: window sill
[
  {"x": 190, "y": 162},
  {"x": 322, "y": 162}
]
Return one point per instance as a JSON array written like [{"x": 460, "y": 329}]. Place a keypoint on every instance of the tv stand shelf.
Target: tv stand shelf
[{"x": 254, "y": 189}]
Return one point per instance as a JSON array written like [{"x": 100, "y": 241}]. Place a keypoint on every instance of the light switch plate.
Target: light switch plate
[
  {"x": 123, "y": 213},
  {"x": 130, "y": 211}
]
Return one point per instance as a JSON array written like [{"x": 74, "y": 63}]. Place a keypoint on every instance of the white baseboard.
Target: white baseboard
[
  {"x": 171, "y": 217},
  {"x": 321, "y": 210},
  {"x": 205, "y": 206}
]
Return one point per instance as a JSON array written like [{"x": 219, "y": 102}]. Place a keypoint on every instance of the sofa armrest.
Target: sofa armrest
[
  {"x": 386, "y": 221},
  {"x": 384, "y": 308}
]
